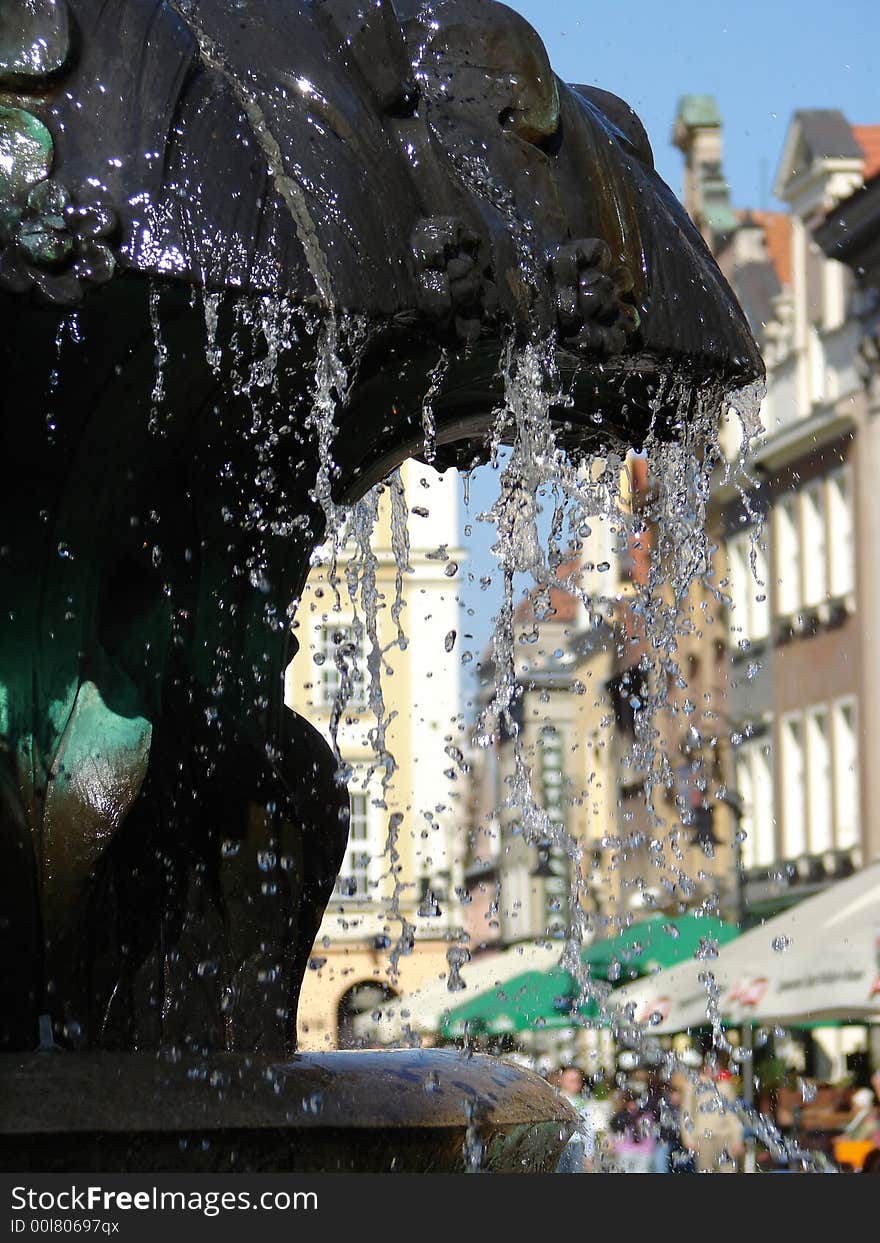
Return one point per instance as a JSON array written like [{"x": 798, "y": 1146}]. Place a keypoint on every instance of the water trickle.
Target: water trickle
[
  {"x": 160, "y": 358},
  {"x": 288, "y": 187},
  {"x": 401, "y": 550},
  {"x": 436, "y": 379},
  {"x": 211, "y": 302},
  {"x": 473, "y": 1147},
  {"x": 68, "y": 331},
  {"x": 330, "y": 390}
]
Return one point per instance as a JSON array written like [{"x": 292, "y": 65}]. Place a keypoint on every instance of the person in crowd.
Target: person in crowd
[
  {"x": 577, "y": 1156},
  {"x": 600, "y": 1107},
  {"x": 710, "y": 1126},
  {"x": 670, "y": 1156},
  {"x": 865, "y": 1122},
  {"x": 632, "y": 1139}
]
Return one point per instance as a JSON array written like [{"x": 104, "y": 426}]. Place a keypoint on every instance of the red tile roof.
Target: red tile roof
[
  {"x": 563, "y": 604},
  {"x": 868, "y": 138},
  {"x": 777, "y": 231}
]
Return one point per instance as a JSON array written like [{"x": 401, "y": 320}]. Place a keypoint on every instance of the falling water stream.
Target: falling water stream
[{"x": 531, "y": 466}]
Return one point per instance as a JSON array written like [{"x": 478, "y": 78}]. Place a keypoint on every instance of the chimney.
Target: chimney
[{"x": 698, "y": 135}]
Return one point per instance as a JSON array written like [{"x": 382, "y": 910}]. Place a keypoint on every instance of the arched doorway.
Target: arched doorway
[{"x": 359, "y": 999}]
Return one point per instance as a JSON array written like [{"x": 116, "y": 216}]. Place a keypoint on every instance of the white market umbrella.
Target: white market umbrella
[
  {"x": 422, "y": 1010},
  {"x": 819, "y": 960}
]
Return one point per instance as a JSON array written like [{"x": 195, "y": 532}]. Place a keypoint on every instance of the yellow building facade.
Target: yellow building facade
[{"x": 378, "y": 673}]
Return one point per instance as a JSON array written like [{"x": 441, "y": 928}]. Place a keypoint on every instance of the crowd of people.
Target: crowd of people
[
  {"x": 674, "y": 1126},
  {"x": 681, "y": 1124}
]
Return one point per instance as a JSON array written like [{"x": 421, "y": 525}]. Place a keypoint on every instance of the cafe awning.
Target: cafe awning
[
  {"x": 549, "y": 999},
  {"x": 817, "y": 961}
]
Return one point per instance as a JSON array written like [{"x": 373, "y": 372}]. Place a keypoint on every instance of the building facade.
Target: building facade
[
  {"x": 799, "y": 545},
  {"x": 590, "y": 690},
  {"x": 390, "y": 699}
]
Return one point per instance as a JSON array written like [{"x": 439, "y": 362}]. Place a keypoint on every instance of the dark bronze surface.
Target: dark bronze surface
[
  {"x": 409, "y": 1110},
  {"x": 169, "y": 831}
]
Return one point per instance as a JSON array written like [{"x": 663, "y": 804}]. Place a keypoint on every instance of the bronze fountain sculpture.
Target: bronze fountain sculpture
[{"x": 197, "y": 198}]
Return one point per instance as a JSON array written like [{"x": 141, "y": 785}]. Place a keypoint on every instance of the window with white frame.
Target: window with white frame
[
  {"x": 816, "y": 361},
  {"x": 834, "y": 281},
  {"x": 754, "y": 780},
  {"x": 813, "y": 533},
  {"x": 841, "y": 569},
  {"x": 788, "y": 556},
  {"x": 748, "y": 588},
  {"x": 819, "y": 774},
  {"x": 846, "y": 773},
  {"x": 342, "y": 667},
  {"x": 354, "y": 878},
  {"x": 820, "y": 804},
  {"x": 793, "y": 803},
  {"x": 814, "y": 556}
]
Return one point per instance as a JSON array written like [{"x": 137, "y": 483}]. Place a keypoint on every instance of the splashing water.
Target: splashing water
[{"x": 670, "y": 518}]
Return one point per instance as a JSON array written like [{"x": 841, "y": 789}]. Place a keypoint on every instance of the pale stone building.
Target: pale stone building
[
  {"x": 520, "y": 882},
  {"x": 802, "y": 693},
  {"x": 405, "y": 827}
]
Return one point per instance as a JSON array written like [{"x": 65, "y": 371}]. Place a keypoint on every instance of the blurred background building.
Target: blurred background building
[
  {"x": 803, "y": 669},
  {"x": 769, "y": 723},
  {"x": 389, "y": 923},
  {"x": 803, "y": 690}
]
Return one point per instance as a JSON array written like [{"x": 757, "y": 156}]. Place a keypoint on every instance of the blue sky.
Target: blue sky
[{"x": 761, "y": 60}]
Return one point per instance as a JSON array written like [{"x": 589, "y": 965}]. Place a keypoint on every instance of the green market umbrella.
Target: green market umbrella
[
  {"x": 535, "y": 999},
  {"x": 546, "y": 999}
]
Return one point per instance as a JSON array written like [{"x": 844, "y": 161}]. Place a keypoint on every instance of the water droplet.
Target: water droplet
[{"x": 808, "y": 1090}]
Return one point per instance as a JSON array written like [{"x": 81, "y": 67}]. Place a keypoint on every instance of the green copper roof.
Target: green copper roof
[
  {"x": 698, "y": 111},
  {"x": 720, "y": 218}
]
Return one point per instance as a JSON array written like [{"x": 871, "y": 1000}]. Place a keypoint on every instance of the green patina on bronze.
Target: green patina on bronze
[
  {"x": 26, "y": 152},
  {"x": 34, "y": 41},
  {"x": 45, "y": 237}
]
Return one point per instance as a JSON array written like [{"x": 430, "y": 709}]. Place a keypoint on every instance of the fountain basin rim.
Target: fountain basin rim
[{"x": 107, "y": 1092}]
